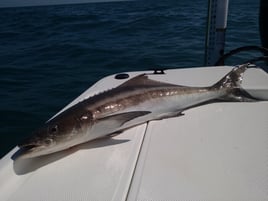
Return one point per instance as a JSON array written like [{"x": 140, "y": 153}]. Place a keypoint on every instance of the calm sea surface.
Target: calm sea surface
[{"x": 51, "y": 54}]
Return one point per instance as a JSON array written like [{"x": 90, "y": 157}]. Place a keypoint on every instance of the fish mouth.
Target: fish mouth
[
  {"x": 28, "y": 150},
  {"x": 28, "y": 147}
]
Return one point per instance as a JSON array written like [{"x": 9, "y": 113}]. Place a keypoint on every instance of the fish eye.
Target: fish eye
[
  {"x": 48, "y": 141},
  {"x": 54, "y": 129}
]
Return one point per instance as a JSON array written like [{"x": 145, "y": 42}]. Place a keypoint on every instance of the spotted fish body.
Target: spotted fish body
[{"x": 134, "y": 102}]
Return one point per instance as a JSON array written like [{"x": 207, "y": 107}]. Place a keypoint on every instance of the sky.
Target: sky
[{"x": 19, "y": 3}]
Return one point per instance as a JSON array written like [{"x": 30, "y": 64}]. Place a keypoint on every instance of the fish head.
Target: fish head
[{"x": 57, "y": 134}]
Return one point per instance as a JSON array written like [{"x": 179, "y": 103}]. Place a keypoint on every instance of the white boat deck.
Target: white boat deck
[{"x": 214, "y": 152}]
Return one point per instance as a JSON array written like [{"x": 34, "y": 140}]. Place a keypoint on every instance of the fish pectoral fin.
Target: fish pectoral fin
[
  {"x": 114, "y": 123},
  {"x": 117, "y": 120}
]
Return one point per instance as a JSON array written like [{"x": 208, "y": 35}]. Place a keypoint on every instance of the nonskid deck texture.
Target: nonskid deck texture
[{"x": 217, "y": 152}]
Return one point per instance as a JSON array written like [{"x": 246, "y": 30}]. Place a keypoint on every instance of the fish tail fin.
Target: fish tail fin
[
  {"x": 231, "y": 83},
  {"x": 233, "y": 79}
]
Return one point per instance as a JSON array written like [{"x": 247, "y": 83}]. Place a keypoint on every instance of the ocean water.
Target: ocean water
[{"x": 51, "y": 54}]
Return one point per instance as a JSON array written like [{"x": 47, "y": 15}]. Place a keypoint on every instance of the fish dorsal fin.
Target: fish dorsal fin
[{"x": 143, "y": 80}]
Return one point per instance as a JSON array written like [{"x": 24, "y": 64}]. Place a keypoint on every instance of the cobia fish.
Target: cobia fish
[{"x": 134, "y": 102}]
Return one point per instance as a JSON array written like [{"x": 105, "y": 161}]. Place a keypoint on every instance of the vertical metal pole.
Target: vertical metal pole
[
  {"x": 263, "y": 22},
  {"x": 216, "y": 27}
]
